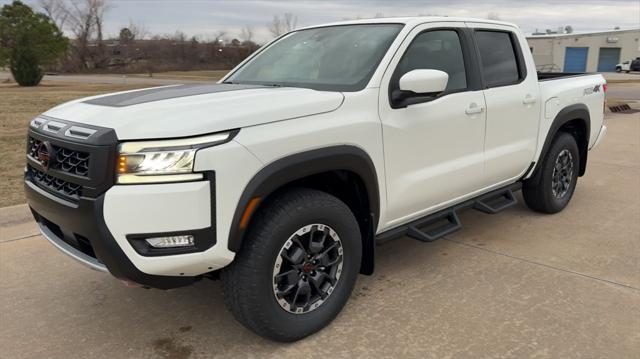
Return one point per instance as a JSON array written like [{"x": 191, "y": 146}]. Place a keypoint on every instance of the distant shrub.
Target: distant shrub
[
  {"x": 28, "y": 41},
  {"x": 25, "y": 68}
]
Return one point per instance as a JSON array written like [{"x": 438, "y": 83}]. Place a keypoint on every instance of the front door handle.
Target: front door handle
[
  {"x": 473, "y": 109},
  {"x": 528, "y": 100}
]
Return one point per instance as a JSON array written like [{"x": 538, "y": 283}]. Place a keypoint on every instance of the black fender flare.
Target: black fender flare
[
  {"x": 303, "y": 164},
  {"x": 569, "y": 113}
]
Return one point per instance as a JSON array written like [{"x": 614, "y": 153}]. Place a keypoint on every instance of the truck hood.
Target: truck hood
[{"x": 188, "y": 110}]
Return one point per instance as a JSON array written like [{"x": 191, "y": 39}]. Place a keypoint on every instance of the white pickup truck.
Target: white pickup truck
[{"x": 281, "y": 178}]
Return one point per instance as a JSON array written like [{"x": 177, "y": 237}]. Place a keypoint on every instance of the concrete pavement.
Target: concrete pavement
[{"x": 513, "y": 285}]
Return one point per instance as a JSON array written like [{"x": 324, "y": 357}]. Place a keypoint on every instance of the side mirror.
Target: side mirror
[{"x": 424, "y": 81}]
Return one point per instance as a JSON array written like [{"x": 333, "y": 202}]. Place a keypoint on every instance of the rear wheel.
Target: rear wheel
[
  {"x": 297, "y": 267},
  {"x": 550, "y": 190}
]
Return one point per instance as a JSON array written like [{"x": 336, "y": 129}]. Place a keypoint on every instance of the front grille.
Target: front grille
[
  {"x": 70, "y": 160},
  {"x": 65, "y": 160},
  {"x": 55, "y": 185}
]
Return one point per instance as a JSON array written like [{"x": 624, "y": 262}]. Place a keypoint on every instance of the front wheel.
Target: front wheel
[
  {"x": 618, "y": 69},
  {"x": 550, "y": 190},
  {"x": 297, "y": 267}
]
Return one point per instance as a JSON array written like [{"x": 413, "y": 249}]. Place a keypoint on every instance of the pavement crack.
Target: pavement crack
[
  {"x": 584, "y": 275},
  {"x": 633, "y": 167},
  {"x": 17, "y": 239}
]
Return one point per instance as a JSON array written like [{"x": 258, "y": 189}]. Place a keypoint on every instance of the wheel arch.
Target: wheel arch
[
  {"x": 575, "y": 120},
  {"x": 317, "y": 169}
]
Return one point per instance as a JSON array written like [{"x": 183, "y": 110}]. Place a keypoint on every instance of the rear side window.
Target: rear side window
[{"x": 498, "y": 58}]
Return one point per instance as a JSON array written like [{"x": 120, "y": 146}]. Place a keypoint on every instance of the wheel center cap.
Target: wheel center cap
[{"x": 308, "y": 267}]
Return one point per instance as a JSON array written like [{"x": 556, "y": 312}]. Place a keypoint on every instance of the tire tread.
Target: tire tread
[{"x": 239, "y": 295}]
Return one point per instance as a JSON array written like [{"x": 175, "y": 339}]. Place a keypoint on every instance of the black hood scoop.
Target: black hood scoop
[{"x": 165, "y": 93}]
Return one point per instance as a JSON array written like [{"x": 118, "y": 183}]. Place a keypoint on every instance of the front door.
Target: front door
[{"x": 433, "y": 146}]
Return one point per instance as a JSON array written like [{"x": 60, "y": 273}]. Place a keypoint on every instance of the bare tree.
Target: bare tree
[
  {"x": 86, "y": 18},
  {"x": 218, "y": 38},
  {"x": 290, "y": 21},
  {"x": 279, "y": 26},
  {"x": 82, "y": 25},
  {"x": 138, "y": 29},
  {"x": 99, "y": 8},
  {"x": 276, "y": 26},
  {"x": 56, "y": 10},
  {"x": 246, "y": 35}
]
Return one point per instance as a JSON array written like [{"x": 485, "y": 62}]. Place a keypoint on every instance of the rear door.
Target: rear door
[
  {"x": 513, "y": 107},
  {"x": 432, "y": 146}
]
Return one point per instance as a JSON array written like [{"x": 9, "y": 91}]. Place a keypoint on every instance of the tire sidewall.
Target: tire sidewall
[
  {"x": 563, "y": 141},
  {"x": 346, "y": 228}
]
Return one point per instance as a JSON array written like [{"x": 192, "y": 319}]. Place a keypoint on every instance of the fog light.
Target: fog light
[{"x": 171, "y": 241}]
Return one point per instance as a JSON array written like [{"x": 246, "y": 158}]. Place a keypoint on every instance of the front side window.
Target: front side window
[
  {"x": 334, "y": 58},
  {"x": 434, "y": 50},
  {"x": 498, "y": 58}
]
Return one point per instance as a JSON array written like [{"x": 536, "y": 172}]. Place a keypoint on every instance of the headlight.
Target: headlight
[{"x": 164, "y": 160}]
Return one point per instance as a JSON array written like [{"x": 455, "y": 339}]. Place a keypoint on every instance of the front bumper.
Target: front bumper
[
  {"x": 79, "y": 230},
  {"x": 81, "y": 211}
]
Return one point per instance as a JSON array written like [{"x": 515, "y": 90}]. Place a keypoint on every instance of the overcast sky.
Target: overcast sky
[{"x": 203, "y": 18}]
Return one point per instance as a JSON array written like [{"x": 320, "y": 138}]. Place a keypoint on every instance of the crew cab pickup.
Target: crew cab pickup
[{"x": 281, "y": 178}]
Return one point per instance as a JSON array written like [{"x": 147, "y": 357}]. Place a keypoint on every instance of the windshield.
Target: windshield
[{"x": 335, "y": 58}]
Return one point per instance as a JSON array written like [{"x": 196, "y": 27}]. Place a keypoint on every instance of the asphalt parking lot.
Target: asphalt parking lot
[{"x": 513, "y": 285}]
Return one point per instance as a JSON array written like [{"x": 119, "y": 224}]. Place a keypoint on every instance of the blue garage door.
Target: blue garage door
[
  {"x": 608, "y": 58},
  {"x": 575, "y": 59}
]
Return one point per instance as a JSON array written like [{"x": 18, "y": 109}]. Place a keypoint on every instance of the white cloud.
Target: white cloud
[{"x": 204, "y": 18}]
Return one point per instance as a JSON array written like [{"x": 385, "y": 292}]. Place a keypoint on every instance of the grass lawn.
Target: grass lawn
[{"x": 18, "y": 105}]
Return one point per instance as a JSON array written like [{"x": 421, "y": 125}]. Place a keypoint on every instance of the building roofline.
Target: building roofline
[{"x": 605, "y": 32}]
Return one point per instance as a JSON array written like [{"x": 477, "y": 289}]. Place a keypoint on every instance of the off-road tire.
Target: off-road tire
[
  {"x": 538, "y": 191},
  {"x": 248, "y": 282}
]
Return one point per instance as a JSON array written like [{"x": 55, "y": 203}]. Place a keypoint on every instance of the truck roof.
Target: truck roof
[{"x": 412, "y": 20}]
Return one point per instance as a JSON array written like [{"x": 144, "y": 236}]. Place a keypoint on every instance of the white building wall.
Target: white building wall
[{"x": 548, "y": 50}]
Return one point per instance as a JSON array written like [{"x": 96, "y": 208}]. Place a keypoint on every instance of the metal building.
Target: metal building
[{"x": 584, "y": 52}]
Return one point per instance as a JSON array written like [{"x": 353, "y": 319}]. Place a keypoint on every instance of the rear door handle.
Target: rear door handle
[
  {"x": 528, "y": 100},
  {"x": 473, "y": 109}
]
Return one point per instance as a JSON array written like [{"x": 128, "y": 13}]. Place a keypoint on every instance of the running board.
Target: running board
[
  {"x": 495, "y": 202},
  {"x": 437, "y": 225},
  {"x": 434, "y": 227}
]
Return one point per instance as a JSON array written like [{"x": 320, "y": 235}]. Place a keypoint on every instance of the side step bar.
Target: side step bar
[
  {"x": 432, "y": 228},
  {"x": 493, "y": 202},
  {"x": 437, "y": 225}
]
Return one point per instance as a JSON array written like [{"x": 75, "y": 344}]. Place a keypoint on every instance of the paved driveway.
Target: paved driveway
[{"x": 514, "y": 285}]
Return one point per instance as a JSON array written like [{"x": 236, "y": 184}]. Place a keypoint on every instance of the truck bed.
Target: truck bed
[
  {"x": 571, "y": 89},
  {"x": 546, "y": 76}
]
